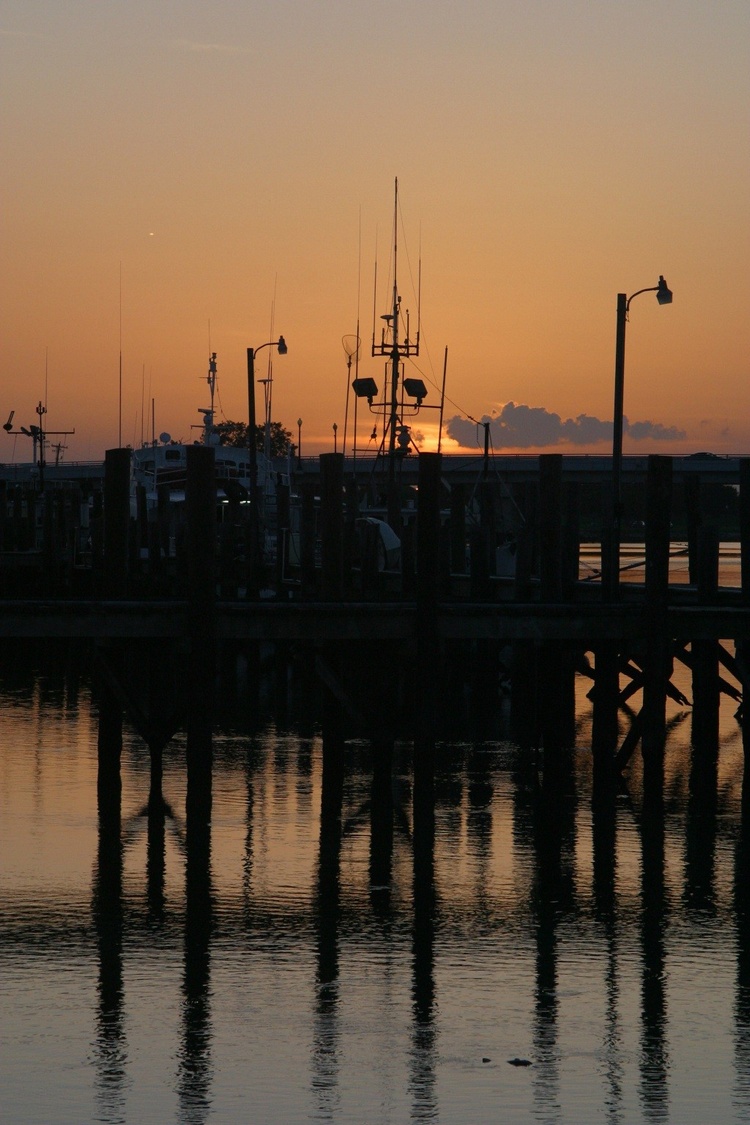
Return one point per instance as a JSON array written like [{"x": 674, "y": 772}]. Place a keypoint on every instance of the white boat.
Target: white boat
[{"x": 163, "y": 464}]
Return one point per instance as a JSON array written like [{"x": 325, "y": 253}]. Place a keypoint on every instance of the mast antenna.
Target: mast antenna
[{"x": 396, "y": 350}]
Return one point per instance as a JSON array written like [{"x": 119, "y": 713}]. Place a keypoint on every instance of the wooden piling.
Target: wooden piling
[
  {"x": 705, "y": 653},
  {"x": 605, "y": 727},
  {"x": 116, "y": 522},
  {"x": 428, "y": 587},
  {"x": 657, "y": 663},
  {"x": 332, "y": 525},
  {"x": 555, "y": 667},
  {"x": 428, "y": 660},
  {"x": 114, "y": 582},
  {"x": 458, "y": 529},
  {"x": 282, "y": 538},
  {"x": 200, "y": 545},
  {"x": 307, "y": 536}
]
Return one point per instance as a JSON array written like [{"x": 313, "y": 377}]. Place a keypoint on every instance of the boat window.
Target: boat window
[{"x": 171, "y": 455}]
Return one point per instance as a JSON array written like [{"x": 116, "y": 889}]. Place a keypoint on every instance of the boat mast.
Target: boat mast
[
  {"x": 208, "y": 415},
  {"x": 396, "y": 351}
]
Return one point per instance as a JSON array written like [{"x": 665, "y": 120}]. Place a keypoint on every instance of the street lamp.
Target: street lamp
[
  {"x": 251, "y": 354},
  {"x": 664, "y": 297},
  {"x": 253, "y": 465},
  {"x": 299, "y": 443},
  {"x": 335, "y": 436}
]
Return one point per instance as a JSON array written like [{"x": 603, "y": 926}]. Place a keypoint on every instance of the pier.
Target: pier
[{"x": 173, "y": 600}]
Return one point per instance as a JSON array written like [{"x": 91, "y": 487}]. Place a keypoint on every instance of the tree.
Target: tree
[{"x": 235, "y": 433}]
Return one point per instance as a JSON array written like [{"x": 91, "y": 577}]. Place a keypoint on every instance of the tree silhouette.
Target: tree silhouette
[{"x": 235, "y": 433}]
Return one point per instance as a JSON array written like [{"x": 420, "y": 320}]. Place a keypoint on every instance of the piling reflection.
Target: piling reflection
[
  {"x": 195, "y": 1056},
  {"x": 552, "y": 898},
  {"x": 381, "y": 824},
  {"x": 654, "y": 1059},
  {"x": 111, "y": 1056},
  {"x": 325, "y": 1061},
  {"x": 423, "y": 1081},
  {"x": 742, "y": 988},
  {"x": 157, "y": 812},
  {"x": 604, "y": 840},
  {"x": 645, "y": 873},
  {"x": 252, "y": 766},
  {"x": 700, "y": 826},
  {"x": 479, "y": 826}
]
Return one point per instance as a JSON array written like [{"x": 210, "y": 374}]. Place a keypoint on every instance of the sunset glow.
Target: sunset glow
[{"x": 183, "y": 178}]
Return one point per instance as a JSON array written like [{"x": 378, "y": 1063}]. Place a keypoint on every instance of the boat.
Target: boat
[
  {"x": 389, "y": 506},
  {"x": 160, "y": 466}
]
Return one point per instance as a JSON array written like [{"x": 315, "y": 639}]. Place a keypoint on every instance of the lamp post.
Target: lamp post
[
  {"x": 664, "y": 297},
  {"x": 335, "y": 437},
  {"x": 251, "y": 354},
  {"x": 253, "y": 466},
  {"x": 299, "y": 443}
]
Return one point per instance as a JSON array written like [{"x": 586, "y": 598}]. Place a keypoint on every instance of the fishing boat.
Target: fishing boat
[
  {"x": 160, "y": 466},
  {"x": 388, "y": 505}
]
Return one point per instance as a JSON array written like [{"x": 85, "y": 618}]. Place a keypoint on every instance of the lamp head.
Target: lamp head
[
  {"x": 415, "y": 388},
  {"x": 663, "y": 292},
  {"x": 365, "y": 388},
  {"x": 283, "y": 348}
]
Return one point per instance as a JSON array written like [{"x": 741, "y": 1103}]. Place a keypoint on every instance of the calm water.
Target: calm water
[
  {"x": 632, "y": 563},
  {"x": 285, "y": 977}
]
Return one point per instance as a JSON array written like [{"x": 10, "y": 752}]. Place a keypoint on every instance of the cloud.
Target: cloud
[
  {"x": 517, "y": 426},
  {"x": 654, "y": 430}
]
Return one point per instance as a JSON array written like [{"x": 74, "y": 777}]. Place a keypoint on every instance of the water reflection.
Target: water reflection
[
  {"x": 604, "y": 843},
  {"x": 326, "y": 1029},
  {"x": 111, "y": 1055},
  {"x": 654, "y": 1048},
  {"x": 195, "y": 1064},
  {"x": 553, "y": 900},
  {"x": 742, "y": 988},
  {"x": 381, "y": 825},
  {"x": 423, "y": 1050},
  {"x": 503, "y": 874}
]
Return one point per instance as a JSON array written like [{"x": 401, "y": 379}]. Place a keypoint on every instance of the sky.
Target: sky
[{"x": 184, "y": 178}]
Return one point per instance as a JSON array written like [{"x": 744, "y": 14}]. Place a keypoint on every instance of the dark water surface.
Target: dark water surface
[{"x": 277, "y": 969}]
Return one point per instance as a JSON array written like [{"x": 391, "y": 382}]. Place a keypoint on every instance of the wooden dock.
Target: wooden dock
[{"x": 169, "y": 598}]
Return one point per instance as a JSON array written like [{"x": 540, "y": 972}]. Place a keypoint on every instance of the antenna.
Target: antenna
[
  {"x": 39, "y": 436},
  {"x": 350, "y": 345},
  {"x": 442, "y": 399},
  {"x": 209, "y": 438},
  {"x": 396, "y": 351}
]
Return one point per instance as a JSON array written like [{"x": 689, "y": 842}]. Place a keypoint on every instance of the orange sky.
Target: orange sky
[{"x": 217, "y": 162}]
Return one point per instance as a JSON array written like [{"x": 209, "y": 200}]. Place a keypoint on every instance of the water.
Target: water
[
  {"x": 633, "y": 569},
  {"x": 273, "y": 981}
]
